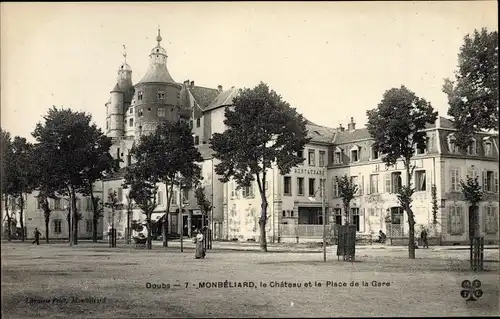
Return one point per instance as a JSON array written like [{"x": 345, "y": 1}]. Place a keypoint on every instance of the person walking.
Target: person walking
[
  {"x": 200, "y": 252},
  {"x": 423, "y": 238},
  {"x": 36, "y": 234}
]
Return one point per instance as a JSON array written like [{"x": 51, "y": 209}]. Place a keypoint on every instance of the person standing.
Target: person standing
[
  {"x": 423, "y": 238},
  {"x": 37, "y": 234},
  {"x": 200, "y": 252}
]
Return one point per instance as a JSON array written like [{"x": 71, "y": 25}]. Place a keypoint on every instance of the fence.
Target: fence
[
  {"x": 477, "y": 253},
  {"x": 301, "y": 230}
]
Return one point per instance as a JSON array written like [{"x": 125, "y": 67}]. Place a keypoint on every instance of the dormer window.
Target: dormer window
[
  {"x": 375, "y": 153},
  {"x": 161, "y": 95},
  {"x": 337, "y": 156},
  {"x": 487, "y": 148},
  {"x": 472, "y": 148},
  {"x": 452, "y": 145},
  {"x": 355, "y": 153},
  {"x": 139, "y": 96}
]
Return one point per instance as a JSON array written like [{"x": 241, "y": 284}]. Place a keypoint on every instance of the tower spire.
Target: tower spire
[
  {"x": 158, "y": 38},
  {"x": 125, "y": 53}
]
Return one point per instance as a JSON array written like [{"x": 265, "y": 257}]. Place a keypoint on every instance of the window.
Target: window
[
  {"x": 248, "y": 191},
  {"x": 185, "y": 194},
  {"x": 396, "y": 182},
  {"x": 374, "y": 184},
  {"x": 335, "y": 187},
  {"x": 131, "y": 110},
  {"x": 455, "y": 179},
  {"x": 129, "y": 159},
  {"x": 312, "y": 188},
  {"x": 131, "y": 122},
  {"x": 337, "y": 212},
  {"x": 198, "y": 122},
  {"x": 284, "y": 213},
  {"x": 472, "y": 148},
  {"x": 375, "y": 154},
  {"x": 487, "y": 149},
  {"x": 337, "y": 156},
  {"x": 161, "y": 112},
  {"x": 300, "y": 154},
  {"x": 140, "y": 130},
  {"x": 161, "y": 95},
  {"x": 88, "y": 225},
  {"x": 196, "y": 140},
  {"x": 174, "y": 198},
  {"x": 490, "y": 220},
  {"x": 159, "y": 198},
  {"x": 139, "y": 96},
  {"x": 57, "y": 226},
  {"x": 107, "y": 125},
  {"x": 420, "y": 181},
  {"x": 355, "y": 217},
  {"x": 178, "y": 95},
  {"x": 452, "y": 146},
  {"x": 421, "y": 149},
  {"x": 140, "y": 113},
  {"x": 355, "y": 181},
  {"x": 88, "y": 204},
  {"x": 300, "y": 186},
  {"x": 490, "y": 181},
  {"x": 311, "y": 157},
  {"x": 287, "y": 183},
  {"x": 354, "y": 155},
  {"x": 191, "y": 124},
  {"x": 455, "y": 221},
  {"x": 322, "y": 157},
  {"x": 119, "y": 195},
  {"x": 57, "y": 203}
]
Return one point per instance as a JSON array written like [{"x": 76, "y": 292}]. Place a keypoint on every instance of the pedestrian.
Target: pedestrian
[
  {"x": 423, "y": 238},
  {"x": 200, "y": 251},
  {"x": 37, "y": 234}
]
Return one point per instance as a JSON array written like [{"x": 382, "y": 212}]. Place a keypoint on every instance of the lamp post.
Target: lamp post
[{"x": 323, "y": 211}]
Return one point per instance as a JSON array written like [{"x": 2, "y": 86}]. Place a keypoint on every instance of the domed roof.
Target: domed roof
[
  {"x": 157, "y": 72},
  {"x": 158, "y": 50},
  {"x": 125, "y": 67}
]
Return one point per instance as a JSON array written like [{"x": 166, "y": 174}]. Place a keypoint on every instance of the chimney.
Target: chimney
[
  {"x": 340, "y": 128},
  {"x": 186, "y": 83},
  {"x": 219, "y": 87},
  {"x": 351, "y": 126},
  {"x": 192, "y": 84}
]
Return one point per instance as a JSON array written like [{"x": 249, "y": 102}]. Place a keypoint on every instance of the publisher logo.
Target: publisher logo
[{"x": 471, "y": 291}]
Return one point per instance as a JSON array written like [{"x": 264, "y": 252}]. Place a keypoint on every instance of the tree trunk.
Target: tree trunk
[
  {"x": 164, "y": 232},
  {"x": 148, "y": 225},
  {"x": 411, "y": 219},
  {"x": 9, "y": 221},
  {"x": 75, "y": 218},
  {"x": 21, "y": 217},
  {"x": 262, "y": 224},
  {"x": 95, "y": 216},
  {"x": 128, "y": 226},
  {"x": 69, "y": 226},
  {"x": 47, "y": 220}
]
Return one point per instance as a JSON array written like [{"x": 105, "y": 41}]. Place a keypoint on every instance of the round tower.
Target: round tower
[
  {"x": 157, "y": 96},
  {"x": 114, "y": 113}
]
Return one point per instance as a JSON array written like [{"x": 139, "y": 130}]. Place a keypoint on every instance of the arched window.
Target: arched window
[
  {"x": 472, "y": 148},
  {"x": 488, "y": 150},
  {"x": 452, "y": 145}
]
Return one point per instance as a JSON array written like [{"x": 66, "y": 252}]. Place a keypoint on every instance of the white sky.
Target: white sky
[{"x": 330, "y": 60}]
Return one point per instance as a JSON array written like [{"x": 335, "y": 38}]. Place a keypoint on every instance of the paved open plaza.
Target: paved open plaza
[{"x": 93, "y": 280}]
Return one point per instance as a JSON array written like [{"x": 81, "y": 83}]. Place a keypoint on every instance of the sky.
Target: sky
[{"x": 330, "y": 60}]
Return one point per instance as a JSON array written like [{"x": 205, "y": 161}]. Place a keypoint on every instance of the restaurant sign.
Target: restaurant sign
[{"x": 310, "y": 171}]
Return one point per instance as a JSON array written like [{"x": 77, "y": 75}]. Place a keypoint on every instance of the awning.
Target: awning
[{"x": 155, "y": 217}]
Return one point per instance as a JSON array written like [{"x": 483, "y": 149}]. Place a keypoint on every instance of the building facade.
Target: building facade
[{"x": 296, "y": 199}]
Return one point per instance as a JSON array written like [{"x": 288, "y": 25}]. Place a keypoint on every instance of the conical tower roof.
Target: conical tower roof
[{"x": 157, "y": 70}]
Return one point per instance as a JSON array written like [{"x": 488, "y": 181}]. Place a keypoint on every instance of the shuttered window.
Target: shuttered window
[
  {"x": 490, "y": 220},
  {"x": 455, "y": 220}
]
